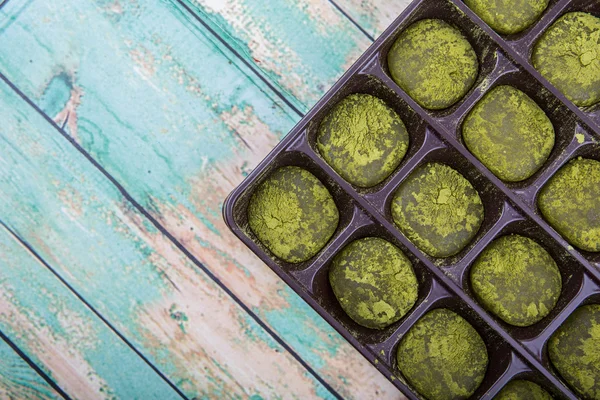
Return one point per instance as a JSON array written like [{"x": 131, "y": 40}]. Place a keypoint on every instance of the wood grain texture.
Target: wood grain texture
[
  {"x": 374, "y": 16},
  {"x": 302, "y": 47},
  {"x": 19, "y": 381},
  {"x": 63, "y": 337},
  {"x": 138, "y": 280},
  {"x": 178, "y": 121}
]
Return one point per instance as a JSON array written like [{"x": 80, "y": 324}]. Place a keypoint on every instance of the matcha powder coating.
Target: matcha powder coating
[
  {"x": 509, "y": 133},
  {"x": 516, "y": 279},
  {"x": 442, "y": 356},
  {"x": 522, "y": 390},
  {"x": 570, "y": 202},
  {"x": 508, "y": 16},
  {"x": 568, "y": 55},
  {"x": 437, "y": 209},
  {"x": 434, "y": 63},
  {"x": 292, "y": 214},
  {"x": 374, "y": 282},
  {"x": 362, "y": 139},
  {"x": 575, "y": 351}
]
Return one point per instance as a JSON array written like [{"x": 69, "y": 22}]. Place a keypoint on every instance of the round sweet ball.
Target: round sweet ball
[
  {"x": 442, "y": 356},
  {"x": 362, "y": 139},
  {"x": 570, "y": 202},
  {"x": 522, "y": 390},
  {"x": 574, "y": 351},
  {"x": 292, "y": 214},
  {"x": 517, "y": 280},
  {"x": 509, "y": 133},
  {"x": 568, "y": 55},
  {"x": 434, "y": 63},
  {"x": 437, "y": 209},
  {"x": 508, "y": 16},
  {"x": 374, "y": 282}
]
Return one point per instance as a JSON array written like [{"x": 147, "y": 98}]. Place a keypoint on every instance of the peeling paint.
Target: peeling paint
[
  {"x": 62, "y": 336},
  {"x": 302, "y": 47},
  {"x": 18, "y": 380},
  {"x": 130, "y": 272}
]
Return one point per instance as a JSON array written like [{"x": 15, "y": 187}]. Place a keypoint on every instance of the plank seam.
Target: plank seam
[
  {"x": 33, "y": 252},
  {"x": 242, "y": 59},
  {"x": 251, "y": 66},
  {"x": 33, "y": 365},
  {"x": 171, "y": 238},
  {"x": 352, "y": 20}
]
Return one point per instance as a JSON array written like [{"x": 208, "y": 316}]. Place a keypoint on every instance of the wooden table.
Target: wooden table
[{"x": 123, "y": 126}]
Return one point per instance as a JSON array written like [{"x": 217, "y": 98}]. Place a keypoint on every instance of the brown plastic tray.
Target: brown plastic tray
[{"x": 435, "y": 136}]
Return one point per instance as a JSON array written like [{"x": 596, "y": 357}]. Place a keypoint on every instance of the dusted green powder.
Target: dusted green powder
[
  {"x": 509, "y": 133},
  {"x": 437, "y": 209},
  {"x": 522, "y": 390},
  {"x": 362, "y": 139},
  {"x": 434, "y": 63},
  {"x": 575, "y": 351},
  {"x": 568, "y": 55},
  {"x": 570, "y": 202},
  {"x": 508, "y": 16},
  {"x": 374, "y": 282},
  {"x": 516, "y": 279},
  {"x": 442, "y": 356},
  {"x": 292, "y": 214}
]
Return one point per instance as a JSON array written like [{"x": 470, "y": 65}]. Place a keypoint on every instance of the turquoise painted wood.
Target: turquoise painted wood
[
  {"x": 303, "y": 47},
  {"x": 18, "y": 380},
  {"x": 139, "y": 281},
  {"x": 373, "y": 16},
  {"x": 63, "y": 337},
  {"x": 162, "y": 105}
]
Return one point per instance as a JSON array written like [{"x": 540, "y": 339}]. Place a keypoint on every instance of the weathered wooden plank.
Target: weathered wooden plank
[
  {"x": 18, "y": 380},
  {"x": 63, "y": 337},
  {"x": 152, "y": 97},
  {"x": 302, "y": 47},
  {"x": 374, "y": 16},
  {"x": 139, "y": 281}
]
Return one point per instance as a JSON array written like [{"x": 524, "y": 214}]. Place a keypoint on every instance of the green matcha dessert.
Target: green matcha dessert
[
  {"x": 517, "y": 280},
  {"x": 437, "y": 209},
  {"x": 574, "y": 350},
  {"x": 509, "y": 133},
  {"x": 442, "y": 356},
  {"x": 522, "y": 390},
  {"x": 570, "y": 202},
  {"x": 434, "y": 63},
  {"x": 362, "y": 139},
  {"x": 374, "y": 282},
  {"x": 292, "y": 214},
  {"x": 508, "y": 16},
  {"x": 568, "y": 55}
]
